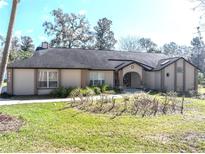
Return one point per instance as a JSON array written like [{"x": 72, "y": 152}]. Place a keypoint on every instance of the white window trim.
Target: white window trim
[
  {"x": 100, "y": 77},
  {"x": 47, "y": 75}
]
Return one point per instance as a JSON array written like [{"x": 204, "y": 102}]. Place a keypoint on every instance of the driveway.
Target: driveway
[{"x": 12, "y": 102}]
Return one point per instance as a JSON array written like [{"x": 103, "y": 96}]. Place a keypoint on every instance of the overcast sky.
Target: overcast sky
[{"x": 161, "y": 20}]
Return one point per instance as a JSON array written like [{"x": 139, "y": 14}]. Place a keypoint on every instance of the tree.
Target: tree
[
  {"x": 20, "y": 49},
  {"x": 197, "y": 43},
  {"x": 15, "y": 47},
  {"x": 15, "y": 44},
  {"x": 129, "y": 43},
  {"x": 147, "y": 44},
  {"x": 68, "y": 30},
  {"x": 172, "y": 49},
  {"x": 105, "y": 39},
  {"x": 1, "y": 40},
  {"x": 200, "y": 4},
  {"x": 6, "y": 51},
  {"x": 27, "y": 43},
  {"x": 198, "y": 53}
]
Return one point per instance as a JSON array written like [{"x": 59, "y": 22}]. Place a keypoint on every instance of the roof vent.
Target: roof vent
[{"x": 165, "y": 62}]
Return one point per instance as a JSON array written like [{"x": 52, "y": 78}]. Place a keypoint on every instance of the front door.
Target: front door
[{"x": 132, "y": 80}]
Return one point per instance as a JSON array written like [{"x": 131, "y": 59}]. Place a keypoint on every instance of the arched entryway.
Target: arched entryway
[{"x": 132, "y": 80}]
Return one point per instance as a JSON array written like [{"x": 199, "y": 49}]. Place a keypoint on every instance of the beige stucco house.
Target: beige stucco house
[{"x": 54, "y": 67}]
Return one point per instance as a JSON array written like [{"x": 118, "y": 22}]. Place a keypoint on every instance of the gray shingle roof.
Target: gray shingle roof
[{"x": 88, "y": 59}]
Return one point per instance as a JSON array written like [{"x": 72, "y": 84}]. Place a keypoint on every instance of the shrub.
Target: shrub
[
  {"x": 60, "y": 92},
  {"x": 75, "y": 92},
  {"x": 110, "y": 92},
  {"x": 87, "y": 91},
  {"x": 191, "y": 93},
  {"x": 201, "y": 78},
  {"x": 69, "y": 90},
  {"x": 117, "y": 90},
  {"x": 5, "y": 95},
  {"x": 97, "y": 90},
  {"x": 105, "y": 87}
]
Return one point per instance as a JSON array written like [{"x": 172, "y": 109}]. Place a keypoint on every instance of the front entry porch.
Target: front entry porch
[{"x": 130, "y": 80}]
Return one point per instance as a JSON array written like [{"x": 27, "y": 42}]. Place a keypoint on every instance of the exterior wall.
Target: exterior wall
[
  {"x": 70, "y": 78},
  {"x": 152, "y": 80},
  {"x": 179, "y": 75},
  {"x": 182, "y": 77},
  {"x": 189, "y": 81},
  {"x": 169, "y": 80},
  {"x": 149, "y": 80},
  {"x": 44, "y": 91},
  {"x": 23, "y": 82},
  {"x": 158, "y": 83}
]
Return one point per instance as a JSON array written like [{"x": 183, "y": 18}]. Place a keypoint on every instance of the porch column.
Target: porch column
[
  {"x": 10, "y": 81},
  {"x": 143, "y": 76},
  {"x": 120, "y": 78},
  {"x": 162, "y": 79}
]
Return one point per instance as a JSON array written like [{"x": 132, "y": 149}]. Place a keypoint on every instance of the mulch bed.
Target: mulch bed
[{"x": 9, "y": 123}]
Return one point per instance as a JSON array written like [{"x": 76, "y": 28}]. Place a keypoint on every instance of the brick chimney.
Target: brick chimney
[{"x": 45, "y": 45}]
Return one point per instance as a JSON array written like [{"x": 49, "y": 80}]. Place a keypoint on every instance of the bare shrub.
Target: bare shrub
[
  {"x": 141, "y": 104},
  {"x": 111, "y": 107}
]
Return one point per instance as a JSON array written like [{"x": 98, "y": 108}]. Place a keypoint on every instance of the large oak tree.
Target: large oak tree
[{"x": 68, "y": 30}]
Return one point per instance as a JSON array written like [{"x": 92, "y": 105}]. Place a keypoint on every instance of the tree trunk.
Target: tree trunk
[{"x": 6, "y": 51}]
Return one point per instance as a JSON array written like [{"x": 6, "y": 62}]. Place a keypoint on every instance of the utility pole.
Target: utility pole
[{"x": 6, "y": 51}]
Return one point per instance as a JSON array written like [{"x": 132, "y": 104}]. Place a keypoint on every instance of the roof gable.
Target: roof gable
[{"x": 170, "y": 61}]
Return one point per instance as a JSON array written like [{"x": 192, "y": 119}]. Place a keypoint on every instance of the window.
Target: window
[
  {"x": 47, "y": 79},
  {"x": 96, "y": 78},
  {"x": 167, "y": 74}
]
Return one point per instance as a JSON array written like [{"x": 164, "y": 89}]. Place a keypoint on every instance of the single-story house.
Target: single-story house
[{"x": 53, "y": 67}]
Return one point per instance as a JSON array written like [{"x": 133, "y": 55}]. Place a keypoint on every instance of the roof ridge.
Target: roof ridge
[
  {"x": 105, "y": 50},
  {"x": 171, "y": 58}
]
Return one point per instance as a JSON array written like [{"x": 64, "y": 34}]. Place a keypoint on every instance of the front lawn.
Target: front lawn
[
  {"x": 201, "y": 89},
  {"x": 47, "y": 129}
]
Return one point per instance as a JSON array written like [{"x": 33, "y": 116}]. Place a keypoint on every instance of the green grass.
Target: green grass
[
  {"x": 47, "y": 129},
  {"x": 201, "y": 89}
]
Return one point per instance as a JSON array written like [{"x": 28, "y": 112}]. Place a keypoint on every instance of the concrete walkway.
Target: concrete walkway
[{"x": 12, "y": 102}]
